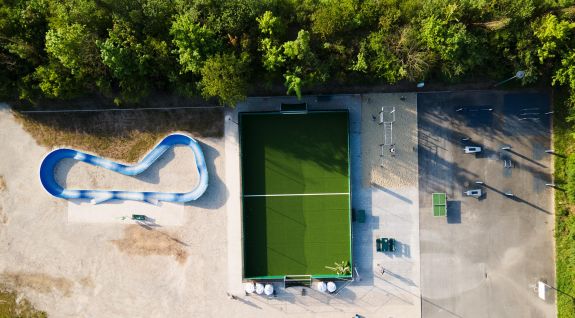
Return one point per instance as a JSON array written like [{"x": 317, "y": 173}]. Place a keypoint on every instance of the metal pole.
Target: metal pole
[
  {"x": 505, "y": 81},
  {"x": 519, "y": 74}
]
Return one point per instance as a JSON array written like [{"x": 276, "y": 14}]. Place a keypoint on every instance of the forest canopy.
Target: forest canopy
[{"x": 127, "y": 49}]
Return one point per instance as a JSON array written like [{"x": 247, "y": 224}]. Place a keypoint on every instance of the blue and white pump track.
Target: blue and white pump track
[{"x": 98, "y": 196}]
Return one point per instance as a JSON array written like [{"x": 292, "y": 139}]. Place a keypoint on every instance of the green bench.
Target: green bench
[
  {"x": 358, "y": 216},
  {"x": 138, "y": 217},
  {"x": 385, "y": 244}
]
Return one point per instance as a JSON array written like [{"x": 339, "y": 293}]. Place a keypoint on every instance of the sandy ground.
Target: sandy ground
[
  {"x": 115, "y": 270},
  {"x": 160, "y": 215},
  {"x": 95, "y": 270},
  {"x": 176, "y": 169},
  {"x": 381, "y": 167}
]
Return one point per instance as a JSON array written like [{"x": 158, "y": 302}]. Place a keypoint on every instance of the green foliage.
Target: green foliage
[
  {"x": 273, "y": 57},
  {"x": 564, "y": 172},
  {"x": 126, "y": 49},
  {"x": 271, "y": 25},
  {"x": 225, "y": 16},
  {"x": 75, "y": 48},
  {"x": 342, "y": 268},
  {"x": 55, "y": 81},
  {"x": 449, "y": 39},
  {"x": 570, "y": 177},
  {"x": 394, "y": 56},
  {"x": 553, "y": 35},
  {"x": 301, "y": 63},
  {"x": 223, "y": 76},
  {"x": 565, "y": 74},
  {"x": 293, "y": 84},
  {"x": 383, "y": 62},
  {"x": 334, "y": 17},
  {"x": 298, "y": 49},
  {"x": 91, "y": 15},
  {"x": 194, "y": 43},
  {"x": 131, "y": 61}
]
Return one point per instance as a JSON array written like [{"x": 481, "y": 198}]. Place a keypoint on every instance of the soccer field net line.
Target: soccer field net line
[{"x": 294, "y": 194}]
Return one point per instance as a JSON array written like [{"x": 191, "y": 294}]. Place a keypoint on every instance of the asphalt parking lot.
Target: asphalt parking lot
[{"x": 485, "y": 257}]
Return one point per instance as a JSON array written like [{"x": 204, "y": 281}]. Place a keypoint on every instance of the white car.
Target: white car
[
  {"x": 476, "y": 193},
  {"x": 472, "y": 149}
]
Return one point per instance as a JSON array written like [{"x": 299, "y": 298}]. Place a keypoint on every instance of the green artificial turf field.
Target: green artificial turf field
[{"x": 283, "y": 157}]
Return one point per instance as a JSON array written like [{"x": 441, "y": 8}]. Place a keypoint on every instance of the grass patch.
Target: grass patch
[
  {"x": 12, "y": 306},
  {"x": 295, "y": 235},
  {"x": 564, "y": 209},
  {"x": 120, "y": 135},
  {"x": 295, "y": 154}
]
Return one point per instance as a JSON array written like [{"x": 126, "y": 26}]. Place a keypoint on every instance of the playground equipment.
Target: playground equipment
[
  {"x": 98, "y": 196},
  {"x": 387, "y": 118}
]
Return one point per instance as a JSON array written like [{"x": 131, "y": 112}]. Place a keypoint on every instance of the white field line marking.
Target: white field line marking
[{"x": 294, "y": 194}]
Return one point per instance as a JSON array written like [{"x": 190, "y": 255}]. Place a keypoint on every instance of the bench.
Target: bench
[
  {"x": 385, "y": 244},
  {"x": 358, "y": 216}
]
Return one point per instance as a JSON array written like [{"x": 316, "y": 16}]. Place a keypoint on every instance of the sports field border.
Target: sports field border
[{"x": 276, "y": 277}]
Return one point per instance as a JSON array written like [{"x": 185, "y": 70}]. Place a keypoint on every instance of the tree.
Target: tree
[
  {"x": 56, "y": 81},
  {"x": 450, "y": 41},
  {"x": 553, "y": 36},
  {"x": 194, "y": 43},
  {"x": 23, "y": 25},
  {"x": 293, "y": 83},
  {"x": 302, "y": 63},
  {"x": 134, "y": 63},
  {"x": 334, "y": 17},
  {"x": 92, "y": 15},
  {"x": 565, "y": 74},
  {"x": 223, "y": 76},
  {"x": 75, "y": 48},
  {"x": 382, "y": 62},
  {"x": 272, "y": 27}
]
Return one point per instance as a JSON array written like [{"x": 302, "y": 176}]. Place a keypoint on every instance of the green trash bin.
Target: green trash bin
[{"x": 138, "y": 217}]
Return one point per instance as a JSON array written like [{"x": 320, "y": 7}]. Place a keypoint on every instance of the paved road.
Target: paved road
[{"x": 484, "y": 258}]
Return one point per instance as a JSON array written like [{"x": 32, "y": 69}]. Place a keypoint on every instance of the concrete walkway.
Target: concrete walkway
[{"x": 391, "y": 212}]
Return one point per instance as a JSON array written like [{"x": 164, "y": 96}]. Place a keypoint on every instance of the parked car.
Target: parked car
[
  {"x": 472, "y": 149},
  {"x": 476, "y": 193}
]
